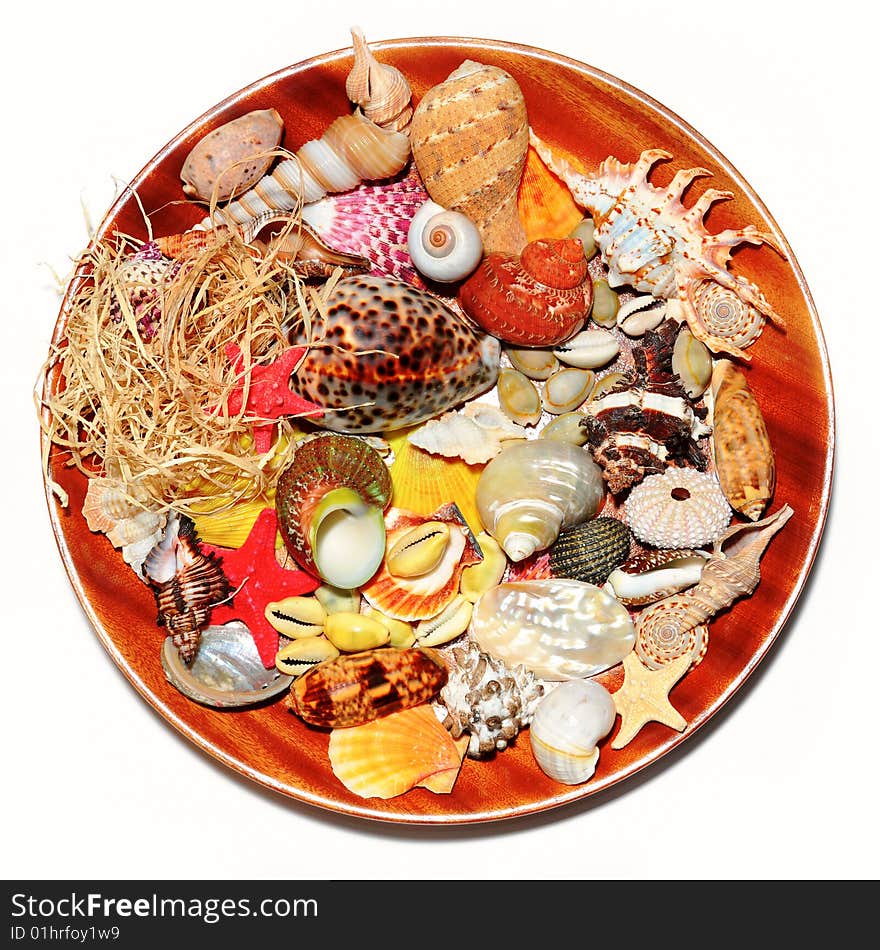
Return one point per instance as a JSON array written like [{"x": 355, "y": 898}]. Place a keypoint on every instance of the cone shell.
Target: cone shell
[
  {"x": 540, "y": 298},
  {"x": 744, "y": 460},
  {"x": 470, "y": 139},
  {"x": 358, "y": 687},
  {"x": 322, "y": 465},
  {"x": 390, "y": 756},
  {"x": 424, "y": 596},
  {"x": 590, "y": 551}
]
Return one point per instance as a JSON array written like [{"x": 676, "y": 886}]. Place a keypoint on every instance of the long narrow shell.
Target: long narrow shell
[
  {"x": 391, "y": 755},
  {"x": 382, "y": 91},
  {"x": 744, "y": 460},
  {"x": 350, "y": 151},
  {"x": 469, "y": 141}
]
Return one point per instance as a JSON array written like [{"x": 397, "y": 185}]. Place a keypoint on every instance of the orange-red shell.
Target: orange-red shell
[{"x": 540, "y": 298}]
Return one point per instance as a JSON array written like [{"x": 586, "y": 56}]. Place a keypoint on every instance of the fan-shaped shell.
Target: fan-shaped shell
[
  {"x": 680, "y": 508},
  {"x": 541, "y": 298},
  {"x": 330, "y": 501},
  {"x": 557, "y": 628},
  {"x": 533, "y": 490},
  {"x": 470, "y": 139},
  {"x": 391, "y": 755}
]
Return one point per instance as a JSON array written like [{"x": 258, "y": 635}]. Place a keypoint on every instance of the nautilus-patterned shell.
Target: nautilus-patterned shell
[
  {"x": 469, "y": 142},
  {"x": 356, "y": 688},
  {"x": 233, "y": 157},
  {"x": 533, "y": 490},
  {"x": 330, "y": 502},
  {"x": 677, "y": 626},
  {"x": 652, "y": 242},
  {"x": 559, "y": 629},
  {"x": 350, "y": 151},
  {"x": 680, "y": 508},
  {"x": 539, "y": 298},
  {"x": 389, "y": 355},
  {"x": 744, "y": 460}
]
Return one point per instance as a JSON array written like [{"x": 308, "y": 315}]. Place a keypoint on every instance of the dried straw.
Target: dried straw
[{"x": 136, "y": 408}]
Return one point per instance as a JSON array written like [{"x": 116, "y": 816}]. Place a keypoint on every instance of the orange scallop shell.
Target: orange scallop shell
[{"x": 540, "y": 298}]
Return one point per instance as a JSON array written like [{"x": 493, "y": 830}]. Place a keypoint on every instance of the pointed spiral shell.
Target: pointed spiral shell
[
  {"x": 381, "y": 91},
  {"x": 669, "y": 629},
  {"x": 444, "y": 245},
  {"x": 721, "y": 319}
]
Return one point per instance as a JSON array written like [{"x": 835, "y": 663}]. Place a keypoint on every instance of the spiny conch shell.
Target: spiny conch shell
[
  {"x": 425, "y": 595},
  {"x": 744, "y": 460},
  {"x": 389, "y": 355},
  {"x": 533, "y": 490},
  {"x": 330, "y": 501},
  {"x": 649, "y": 576},
  {"x": 227, "y": 671},
  {"x": 591, "y": 551},
  {"x": 652, "y": 242},
  {"x": 680, "y": 508},
  {"x": 566, "y": 728},
  {"x": 469, "y": 141},
  {"x": 444, "y": 245},
  {"x": 358, "y": 687},
  {"x": 559, "y": 629},
  {"x": 233, "y": 157},
  {"x": 540, "y": 298},
  {"x": 673, "y": 627},
  {"x": 475, "y": 434},
  {"x": 186, "y": 582},
  {"x": 487, "y": 700},
  {"x": 391, "y": 755},
  {"x": 381, "y": 91},
  {"x": 350, "y": 151},
  {"x": 373, "y": 221}
]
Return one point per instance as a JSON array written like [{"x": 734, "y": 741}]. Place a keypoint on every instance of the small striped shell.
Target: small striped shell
[
  {"x": 381, "y": 90},
  {"x": 670, "y": 629},
  {"x": 680, "y": 508},
  {"x": 719, "y": 315},
  {"x": 590, "y": 551}
]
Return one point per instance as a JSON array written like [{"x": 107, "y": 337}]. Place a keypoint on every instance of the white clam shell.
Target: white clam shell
[
  {"x": 588, "y": 349},
  {"x": 444, "y": 245},
  {"x": 559, "y": 629},
  {"x": 566, "y": 728}
]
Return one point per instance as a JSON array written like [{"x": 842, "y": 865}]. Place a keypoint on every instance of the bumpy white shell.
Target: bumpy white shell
[
  {"x": 566, "y": 727},
  {"x": 559, "y": 629},
  {"x": 444, "y": 245},
  {"x": 475, "y": 434},
  {"x": 533, "y": 490},
  {"x": 680, "y": 508}
]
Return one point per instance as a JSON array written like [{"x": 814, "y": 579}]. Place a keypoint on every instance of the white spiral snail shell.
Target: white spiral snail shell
[{"x": 444, "y": 245}]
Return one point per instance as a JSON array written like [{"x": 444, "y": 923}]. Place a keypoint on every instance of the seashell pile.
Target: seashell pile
[{"x": 529, "y": 465}]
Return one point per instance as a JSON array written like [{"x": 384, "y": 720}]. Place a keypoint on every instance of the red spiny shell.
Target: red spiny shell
[{"x": 541, "y": 298}]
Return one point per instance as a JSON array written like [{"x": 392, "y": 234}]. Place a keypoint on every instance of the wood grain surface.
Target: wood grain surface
[{"x": 587, "y": 115}]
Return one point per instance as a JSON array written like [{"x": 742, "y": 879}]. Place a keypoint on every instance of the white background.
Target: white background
[{"x": 782, "y": 784}]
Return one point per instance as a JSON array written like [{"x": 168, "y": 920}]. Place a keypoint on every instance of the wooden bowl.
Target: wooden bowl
[{"x": 590, "y": 115}]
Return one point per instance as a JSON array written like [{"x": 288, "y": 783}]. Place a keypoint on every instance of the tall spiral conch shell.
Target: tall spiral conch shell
[
  {"x": 676, "y": 626},
  {"x": 652, "y": 242},
  {"x": 532, "y": 490},
  {"x": 539, "y": 298},
  {"x": 469, "y": 142},
  {"x": 744, "y": 460},
  {"x": 352, "y": 150},
  {"x": 381, "y": 91}
]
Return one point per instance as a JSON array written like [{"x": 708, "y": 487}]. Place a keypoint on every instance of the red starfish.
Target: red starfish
[
  {"x": 269, "y": 393},
  {"x": 264, "y": 581}
]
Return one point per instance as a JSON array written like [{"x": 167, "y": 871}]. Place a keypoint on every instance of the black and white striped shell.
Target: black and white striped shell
[{"x": 591, "y": 551}]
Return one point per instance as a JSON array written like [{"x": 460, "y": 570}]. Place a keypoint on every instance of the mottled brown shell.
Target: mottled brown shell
[
  {"x": 358, "y": 687},
  {"x": 744, "y": 459}
]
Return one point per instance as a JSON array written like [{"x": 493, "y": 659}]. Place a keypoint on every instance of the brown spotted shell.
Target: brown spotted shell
[
  {"x": 672, "y": 628},
  {"x": 390, "y": 355},
  {"x": 540, "y": 298}
]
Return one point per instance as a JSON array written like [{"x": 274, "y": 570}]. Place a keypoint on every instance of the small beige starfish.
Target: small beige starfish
[{"x": 643, "y": 698}]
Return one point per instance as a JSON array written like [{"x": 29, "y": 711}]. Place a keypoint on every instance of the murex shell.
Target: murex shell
[
  {"x": 559, "y": 629},
  {"x": 396, "y": 348},
  {"x": 539, "y": 298},
  {"x": 533, "y": 490},
  {"x": 470, "y": 141}
]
